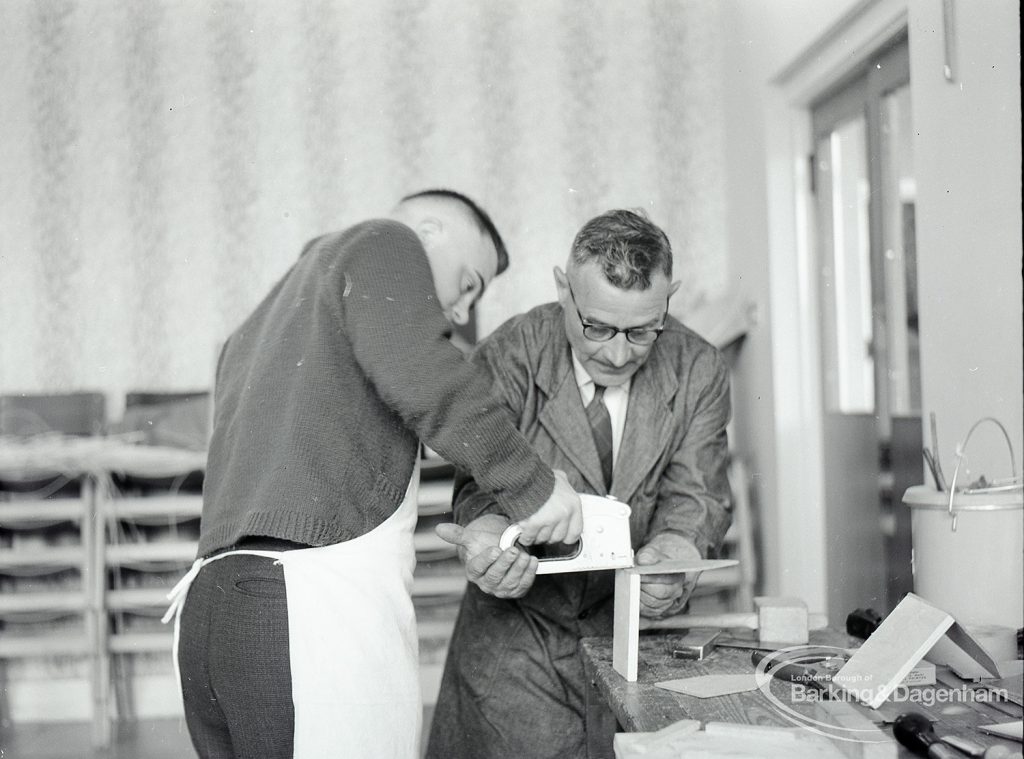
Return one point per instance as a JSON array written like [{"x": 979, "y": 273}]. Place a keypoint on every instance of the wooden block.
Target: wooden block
[
  {"x": 626, "y": 631},
  {"x": 856, "y": 736},
  {"x": 725, "y": 739},
  {"x": 646, "y": 745},
  {"x": 781, "y": 620},
  {"x": 885, "y": 658}
]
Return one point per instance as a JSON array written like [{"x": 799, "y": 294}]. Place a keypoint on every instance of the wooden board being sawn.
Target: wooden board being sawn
[{"x": 627, "y": 604}]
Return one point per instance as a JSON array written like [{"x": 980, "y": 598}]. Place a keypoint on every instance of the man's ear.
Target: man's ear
[
  {"x": 429, "y": 229},
  {"x": 675, "y": 286},
  {"x": 561, "y": 284}
]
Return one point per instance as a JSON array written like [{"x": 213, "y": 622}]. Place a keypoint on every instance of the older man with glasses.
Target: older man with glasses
[{"x": 611, "y": 389}]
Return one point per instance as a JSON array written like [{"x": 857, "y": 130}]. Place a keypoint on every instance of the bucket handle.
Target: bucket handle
[{"x": 961, "y": 454}]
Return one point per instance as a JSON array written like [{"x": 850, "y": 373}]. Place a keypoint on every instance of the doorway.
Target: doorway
[{"x": 863, "y": 187}]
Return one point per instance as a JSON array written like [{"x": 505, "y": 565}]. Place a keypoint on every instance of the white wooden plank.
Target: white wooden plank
[{"x": 626, "y": 631}]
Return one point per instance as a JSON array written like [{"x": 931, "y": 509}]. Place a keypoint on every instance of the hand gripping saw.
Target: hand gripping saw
[{"x": 603, "y": 544}]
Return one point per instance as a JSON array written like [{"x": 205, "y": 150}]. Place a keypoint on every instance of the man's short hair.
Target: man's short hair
[
  {"x": 482, "y": 219},
  {"x": 627, "y": 245}
]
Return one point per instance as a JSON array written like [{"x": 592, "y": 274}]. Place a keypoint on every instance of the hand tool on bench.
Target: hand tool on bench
[
  {"x": 914, "y": 730},
  {"x": 811, "y": 666},
  {"x": 860, "y": 623}
]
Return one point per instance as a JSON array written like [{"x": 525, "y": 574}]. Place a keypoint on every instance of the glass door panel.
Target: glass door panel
[
  {"x": 846, "y": 270},
  {"x": 866, "y": 264},
  {"x": 899, "y": 254}
]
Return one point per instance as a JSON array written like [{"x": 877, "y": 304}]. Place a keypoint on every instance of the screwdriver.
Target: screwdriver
[{"x": 915, "y": 731}]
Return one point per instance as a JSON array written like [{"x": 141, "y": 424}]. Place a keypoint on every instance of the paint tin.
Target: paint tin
[{"x": 974, "y": 572}]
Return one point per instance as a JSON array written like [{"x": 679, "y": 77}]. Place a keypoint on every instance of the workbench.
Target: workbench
[{"x": 642, "y": 707}]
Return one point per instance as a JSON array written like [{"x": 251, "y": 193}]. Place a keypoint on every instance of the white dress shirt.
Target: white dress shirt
[{"x": 615, "y": 398}]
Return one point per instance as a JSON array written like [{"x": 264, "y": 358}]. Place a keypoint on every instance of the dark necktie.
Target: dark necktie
[{"x": 601, "y": 427}]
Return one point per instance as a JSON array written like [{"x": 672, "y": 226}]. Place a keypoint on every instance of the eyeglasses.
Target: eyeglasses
[{"x": 602, "y": 333}]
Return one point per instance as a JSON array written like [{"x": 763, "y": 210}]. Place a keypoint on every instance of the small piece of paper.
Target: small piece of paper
[{"x": 709, "y": 686}]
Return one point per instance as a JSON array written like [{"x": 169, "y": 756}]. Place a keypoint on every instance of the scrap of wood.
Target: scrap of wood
[
  {"x": 781, "y": 619},
  {"x": 900, "y": 641},
  {"x": 651, "y": 744},
  {"x": 626, "y": 631},
  {"x": 1012, "y": 730},
  {"x": 739, "y": 728},
  {"x": 852, "y": 732},
  {"x": 976, "y": 652},
  {"x": 721, "y": 739},
  {"x": 804, "y": 742},
  {"x": 966, "y": 643},
  {"x": 898, "y": 644},
  {"x": 1011, "y": 688},
  {"x": 709, "y": 686}
]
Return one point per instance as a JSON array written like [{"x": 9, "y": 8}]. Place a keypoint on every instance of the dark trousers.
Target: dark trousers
[
  {"x": 233, "y": 655},
  {"x": 514, "y": 686}
]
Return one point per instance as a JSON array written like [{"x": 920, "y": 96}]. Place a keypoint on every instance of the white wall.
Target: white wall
[
  {"x": 763, "y": 38},
  {"x": 968, "y": 164},
  {"x": 967, "y": 154}
]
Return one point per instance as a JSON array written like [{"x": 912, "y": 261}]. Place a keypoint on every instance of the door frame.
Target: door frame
[
  {"x": 796, "y": 369},
  {"x": 853, "y": 439}
]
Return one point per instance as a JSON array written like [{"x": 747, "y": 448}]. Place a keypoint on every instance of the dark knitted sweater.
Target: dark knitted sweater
[{"x": 324, "y": 390}]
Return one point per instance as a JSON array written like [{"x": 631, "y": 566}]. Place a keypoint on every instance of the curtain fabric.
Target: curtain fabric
[{"x": 162, "y": 162}]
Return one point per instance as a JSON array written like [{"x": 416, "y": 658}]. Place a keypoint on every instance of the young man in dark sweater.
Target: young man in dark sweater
[{"x": 298, "y": 637}]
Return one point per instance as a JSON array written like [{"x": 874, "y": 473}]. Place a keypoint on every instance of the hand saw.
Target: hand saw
[{"x": 603, "y": 544}]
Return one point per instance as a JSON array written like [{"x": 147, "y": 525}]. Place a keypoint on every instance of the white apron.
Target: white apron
[{"x": 354, "y": 652}]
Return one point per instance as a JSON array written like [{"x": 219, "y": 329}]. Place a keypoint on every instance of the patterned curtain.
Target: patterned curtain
[{"x": 163, "y": 161}]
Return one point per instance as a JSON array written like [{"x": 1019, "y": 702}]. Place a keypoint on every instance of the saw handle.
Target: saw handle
[
  {"x": 509, "y": 536},
  {"x": 545, "y": 552}
]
